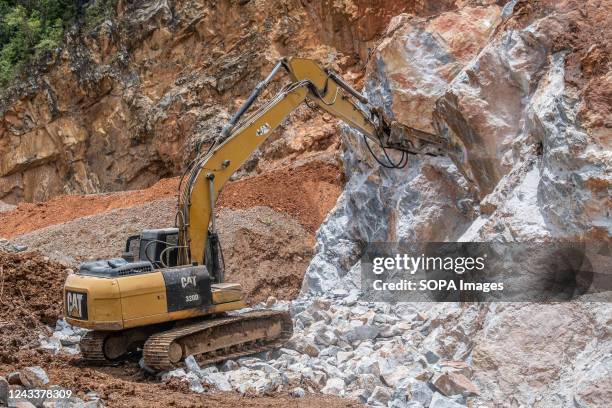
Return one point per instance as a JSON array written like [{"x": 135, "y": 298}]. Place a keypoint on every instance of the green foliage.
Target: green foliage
[
  {"x": 28, "y": 29},
  {"x": 31, "y": 28},
  {"x": 97, "y": 12}
]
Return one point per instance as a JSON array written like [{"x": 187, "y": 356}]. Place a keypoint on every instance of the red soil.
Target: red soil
[
  {"x": 306, "y": 193},
  {"x": 32, "y": 216}
]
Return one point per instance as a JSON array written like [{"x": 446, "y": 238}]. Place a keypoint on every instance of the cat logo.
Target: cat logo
[
  {"x": 188, "y": 280},
  {"x": 263, "y": 129},
  {"x": 76, "y": 305}
]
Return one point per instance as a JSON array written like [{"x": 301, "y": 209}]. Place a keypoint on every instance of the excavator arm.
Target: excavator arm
[{"x": 207, "y": 174}]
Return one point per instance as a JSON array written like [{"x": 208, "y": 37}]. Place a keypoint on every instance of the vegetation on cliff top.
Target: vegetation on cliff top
[{"x": 31, "y": 28}]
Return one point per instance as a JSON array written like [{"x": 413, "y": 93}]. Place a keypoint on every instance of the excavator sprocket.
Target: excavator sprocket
[{"x": 216, "y": 340}]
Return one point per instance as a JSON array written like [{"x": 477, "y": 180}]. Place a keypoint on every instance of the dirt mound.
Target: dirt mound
[
  {"x": 100, "y": 235},
  {"x": 29, "y": 217},
  {"x": 306, "y": 193},
  {"x": 265, "y": 251},
  {"x": 30, "y": 299}
]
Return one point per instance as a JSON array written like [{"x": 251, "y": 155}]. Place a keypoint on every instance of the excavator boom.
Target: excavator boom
[{"x": 241, "y": 137}]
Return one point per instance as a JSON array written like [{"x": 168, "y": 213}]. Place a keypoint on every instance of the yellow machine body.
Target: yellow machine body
[{"x": 134, "y": 301}]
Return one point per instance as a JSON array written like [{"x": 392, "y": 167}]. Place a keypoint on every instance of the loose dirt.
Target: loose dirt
[
  {"x": 32, "y": 216},
  {"x": 267, "y": 252},
  {"x": 100, "y": 235},
  {"x": 306, "y": 193},
  {"x": 30, "y": 299}
]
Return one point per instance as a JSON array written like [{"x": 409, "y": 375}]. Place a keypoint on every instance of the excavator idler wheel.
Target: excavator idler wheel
[
  {"x": 115, "y": 346},
  {"x": 175, "y": 352},
  {"x": 109, "y": 348}
]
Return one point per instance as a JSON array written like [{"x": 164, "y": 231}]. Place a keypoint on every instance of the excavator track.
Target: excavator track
[
  {"x": 92, "y": 347},
  {"x": 218, "y": 339}
]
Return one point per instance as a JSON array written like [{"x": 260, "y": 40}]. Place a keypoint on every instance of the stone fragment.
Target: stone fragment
[
  {"x": 13, "y": 378},
  {"x": 393, "y": 377},
  {"x": 450, "y": 383},
  {"x": 4, "y": 387},
  {"x": 343, "y": 356},
  {"x": 321, "y": 315},
  {"x": 51, "y": 344},
  {"x": 367, "y": 317},
  {"x": 334, "y": 386},
  {"x": 229, "y": 365},
  {"x": 304, "y": 345},
  {"x": 247, "y": 361},
  {"x": 340, "y": 293},
  {"x": 298, "y": 392},
  {"x": 369, "y": 366},
  {"x": 440, "y": 401},
  {"x": 92, "y": 396},
  {"x": 380, "y": 396},
  {"x": 316, "y": 376},
  {"x": 351, "y": 299},
  {"x": 33, "y": 377},
  {"x": 217, "y": 380},
  {"x": 326, "y": 338},
  {"x": 363, "y": 332},
  {"x": 366, "y": 383},
  {"x": 293, "y": 377},
  {"x": 431, "y": 357},
  {"x": 208, "y": 370},
  {"x": 411, "y": 389},
  {"x": 311, "y": 350},
  {"x": 305, "y": 318},
  {"x": 262, "y": 366},
  {"x": 195, "y": 385},
  {"x": 178, "y": 373},
  {"x": 460, "y": 367},
  {"x": 271, "y": 301},
  {"x": 331, "y": 351},
  {"x": 321, "y": 304},
  {"x": 192, "y": 365},
  {"x": 397, "y": 403}
]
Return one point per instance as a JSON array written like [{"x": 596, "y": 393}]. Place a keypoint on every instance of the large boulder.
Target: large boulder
[{"x": 521, "y": 90}]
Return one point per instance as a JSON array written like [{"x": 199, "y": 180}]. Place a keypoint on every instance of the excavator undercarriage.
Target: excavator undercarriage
[{"x": 213, "y": 339}]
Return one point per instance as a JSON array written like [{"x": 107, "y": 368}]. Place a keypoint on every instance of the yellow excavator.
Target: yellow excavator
[{"x": 166, "y": 295}]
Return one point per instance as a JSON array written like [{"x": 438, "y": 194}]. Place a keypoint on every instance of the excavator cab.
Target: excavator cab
[{"x": 157, "y": 246}]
